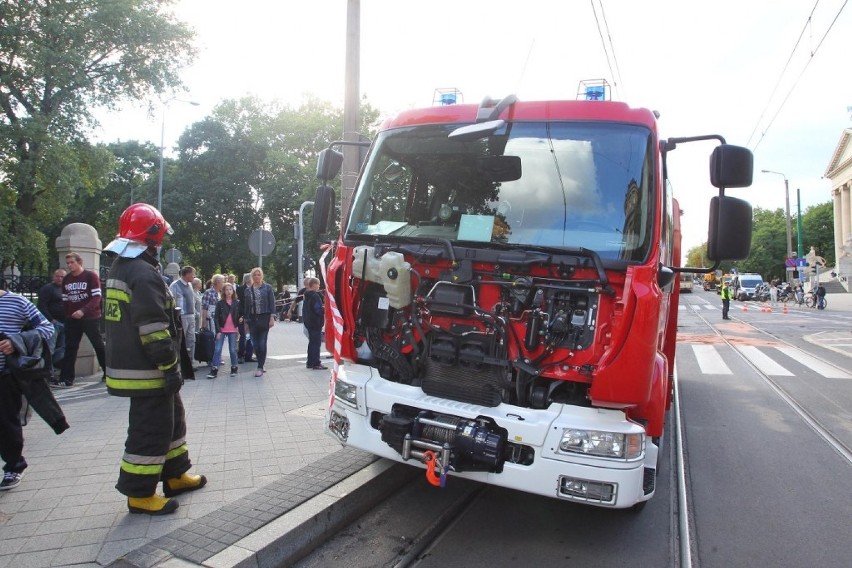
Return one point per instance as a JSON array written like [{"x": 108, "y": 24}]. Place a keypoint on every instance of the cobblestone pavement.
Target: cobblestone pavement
[{"x": 256, "y": 440}]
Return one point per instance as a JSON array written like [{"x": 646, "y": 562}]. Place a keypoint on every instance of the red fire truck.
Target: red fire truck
[{"x": 502, "y": 297}]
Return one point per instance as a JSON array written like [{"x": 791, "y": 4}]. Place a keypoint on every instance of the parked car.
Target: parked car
[{"x": 743, "y": 286}]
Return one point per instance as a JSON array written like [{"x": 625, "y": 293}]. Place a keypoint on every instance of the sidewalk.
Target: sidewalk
[{"x": 258, "y": 441}]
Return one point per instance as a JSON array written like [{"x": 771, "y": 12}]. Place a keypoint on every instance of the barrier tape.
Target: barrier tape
[{"x": 337, "y": 325}]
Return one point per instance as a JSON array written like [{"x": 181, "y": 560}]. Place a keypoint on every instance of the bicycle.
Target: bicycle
[{"x": 811, "y": 301}]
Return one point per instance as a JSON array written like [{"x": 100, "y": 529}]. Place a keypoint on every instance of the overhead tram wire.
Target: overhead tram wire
[
  {"x": 796, "y": 82},
  {"x": 783, "y": 71},
  {"x": 603, "y": 44},
  {"x": 612, "y": 48}
]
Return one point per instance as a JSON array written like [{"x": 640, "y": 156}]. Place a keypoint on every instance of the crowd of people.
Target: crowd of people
[{"x": 151, "y": 330}]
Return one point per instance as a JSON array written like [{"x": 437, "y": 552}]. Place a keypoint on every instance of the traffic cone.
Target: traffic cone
[
  {"x": 785, "y": 309},
  {"x": 745, "y": 307}
]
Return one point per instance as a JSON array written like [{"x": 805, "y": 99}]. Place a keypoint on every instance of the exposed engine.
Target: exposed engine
[{"x": 482, "y": 337}]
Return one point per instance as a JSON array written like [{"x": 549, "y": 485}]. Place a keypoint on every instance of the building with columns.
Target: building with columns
[{"x": 839, "y": 174}]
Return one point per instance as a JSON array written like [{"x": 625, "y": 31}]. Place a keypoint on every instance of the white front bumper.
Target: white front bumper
[{"x": 540, "y": 430}]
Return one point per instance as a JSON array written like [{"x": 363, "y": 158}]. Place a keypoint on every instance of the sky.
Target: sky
[{"x": 772, "y": 75}]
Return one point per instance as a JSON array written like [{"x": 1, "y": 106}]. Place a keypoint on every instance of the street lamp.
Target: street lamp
[
  {"x": 787, "y": 199},
  {"x": 162, "y": 146}
]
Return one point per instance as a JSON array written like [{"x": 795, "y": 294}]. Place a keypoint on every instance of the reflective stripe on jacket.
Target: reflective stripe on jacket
[{"x": 142, "y": 337}]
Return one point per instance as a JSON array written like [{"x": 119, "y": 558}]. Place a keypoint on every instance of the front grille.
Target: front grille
[{"x": 463, "y": 384}]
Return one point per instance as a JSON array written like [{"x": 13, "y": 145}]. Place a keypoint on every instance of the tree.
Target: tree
[
  {"x": 251, "y": 164},
  {"x": 818, "y": 231},
  {"x": 58, "y": 61},
  {"x": 697, "y": 256},
  {"x": 768, "y": 248}
]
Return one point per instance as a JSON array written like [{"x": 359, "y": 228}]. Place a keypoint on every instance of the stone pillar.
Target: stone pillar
[
  {"x": 173, "y": 270},
  {"x": 82, "y": 239}
]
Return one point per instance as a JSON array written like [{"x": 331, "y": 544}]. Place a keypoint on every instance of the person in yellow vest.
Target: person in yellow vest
[
  {"x": 146, "y": 362},
  {"x": 726, "y": 300}
]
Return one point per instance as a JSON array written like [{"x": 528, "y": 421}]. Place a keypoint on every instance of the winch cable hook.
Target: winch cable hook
[{"x": 430, "y": 459}]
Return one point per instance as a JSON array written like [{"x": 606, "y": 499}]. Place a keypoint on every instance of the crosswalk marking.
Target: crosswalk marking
[
  {"x": 709, "y": 360},
  {"x": 697, "y": 307},
  {"x": 762, "y": 361},
  {"x": 711, "y": 363},
  {"x": 813, "y": 363}
]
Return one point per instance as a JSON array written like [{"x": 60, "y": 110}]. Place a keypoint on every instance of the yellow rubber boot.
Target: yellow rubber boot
[
  {"x": 153, "y": 505},
  {"x": 182, "y": 484}
]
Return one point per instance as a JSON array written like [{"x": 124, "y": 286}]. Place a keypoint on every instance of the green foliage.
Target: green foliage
[
  {"x": 818, "y": 231},
  {"x": 696, "y": 256},
  {"x": 768, "y": 241},
  {"x": 58, "y": 61},
  {"x": 249, "y": 165},
  {"x": 768, "y": 248}
]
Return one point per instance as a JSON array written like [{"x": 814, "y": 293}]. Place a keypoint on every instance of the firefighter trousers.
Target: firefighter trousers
[{"x": 156, "y": 445}]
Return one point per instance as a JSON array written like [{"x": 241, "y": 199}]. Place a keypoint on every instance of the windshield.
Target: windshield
[
  {"x": 545, "y": 184},
  {"x": 750, "y": 282}
]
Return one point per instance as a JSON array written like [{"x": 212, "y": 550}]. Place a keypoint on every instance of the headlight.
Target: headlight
[
  {"x": 603, "y": 444},
  {"x": 345, "y": 392}
]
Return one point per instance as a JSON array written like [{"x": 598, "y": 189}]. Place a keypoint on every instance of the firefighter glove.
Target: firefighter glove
[{"x": 173, "y": 382}]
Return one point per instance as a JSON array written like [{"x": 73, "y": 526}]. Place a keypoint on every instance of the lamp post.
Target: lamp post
[
  {"x": 162, "y": 147},
  {"x": 789, "y": 229}
]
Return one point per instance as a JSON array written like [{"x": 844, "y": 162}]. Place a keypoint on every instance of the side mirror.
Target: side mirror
[
  {"x": 729, "y": 235},
  {"x": 731, "y": 166},
  {"x": 665, "y": 277},
  {"x": 323, "y": 210},
  {"x": 328, "y": 164}
]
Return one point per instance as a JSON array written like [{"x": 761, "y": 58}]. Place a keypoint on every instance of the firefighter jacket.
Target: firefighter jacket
[{"x": 142, "y": 337}]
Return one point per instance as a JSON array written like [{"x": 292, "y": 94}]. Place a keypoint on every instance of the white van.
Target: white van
[{"x": 743, "y": 285}]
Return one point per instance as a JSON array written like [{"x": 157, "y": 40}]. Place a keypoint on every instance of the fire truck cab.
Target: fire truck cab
[{"x": 502, "y": 296}]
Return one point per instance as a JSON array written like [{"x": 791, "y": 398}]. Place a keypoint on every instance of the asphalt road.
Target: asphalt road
[{"x": 766, "y": 416}]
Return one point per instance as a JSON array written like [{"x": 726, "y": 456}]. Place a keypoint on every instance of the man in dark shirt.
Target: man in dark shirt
[
  {"x": 81, "y": 297},
  {"x": 50, "y": 304}
]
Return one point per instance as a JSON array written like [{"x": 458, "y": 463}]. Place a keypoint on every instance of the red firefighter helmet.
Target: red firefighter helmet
[
  {"x": 142, "y": 223},
  {"x": 139, "y": 227}
]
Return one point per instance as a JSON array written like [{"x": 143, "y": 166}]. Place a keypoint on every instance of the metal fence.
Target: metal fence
[{"x": 27, "y": 279}]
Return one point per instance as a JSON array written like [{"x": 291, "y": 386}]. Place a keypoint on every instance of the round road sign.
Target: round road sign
[{"x": 261, "y": 242}]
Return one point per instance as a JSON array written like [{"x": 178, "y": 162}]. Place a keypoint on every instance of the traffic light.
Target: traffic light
[
  {"x": 812, "y": 268},
  {"x": 294, "y": 255}
]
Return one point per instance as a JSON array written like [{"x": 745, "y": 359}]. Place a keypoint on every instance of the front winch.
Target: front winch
[{"x": 458, "y": 444}]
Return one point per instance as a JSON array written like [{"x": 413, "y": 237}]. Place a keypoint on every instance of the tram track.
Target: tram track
[{"x": 807, "y": 417}]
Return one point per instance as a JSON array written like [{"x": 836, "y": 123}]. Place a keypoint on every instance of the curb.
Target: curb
[
  {"x": 292, "y": 536},
  {"x": 280, "y": 523}
]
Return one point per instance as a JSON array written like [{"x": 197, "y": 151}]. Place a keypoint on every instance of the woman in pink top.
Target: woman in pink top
[{"x": 227, "y": 317}]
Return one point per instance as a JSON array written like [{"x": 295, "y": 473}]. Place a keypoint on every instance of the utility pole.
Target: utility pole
[
  {"x": 351, "y": 102},
  {"x": 799, "y": 248}
]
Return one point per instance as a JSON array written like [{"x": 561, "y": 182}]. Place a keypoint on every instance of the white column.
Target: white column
[
  {"x": 845, "y": 219},
  {"x": 838, "y": 220}
]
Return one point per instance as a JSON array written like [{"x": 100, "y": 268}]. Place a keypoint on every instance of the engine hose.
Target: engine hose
[{"x": 386, "y": 353}]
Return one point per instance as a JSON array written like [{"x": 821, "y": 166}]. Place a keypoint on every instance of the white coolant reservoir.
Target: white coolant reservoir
[
  {"x": 365, "y": 256},
  {"x": 396, "y": 276}
]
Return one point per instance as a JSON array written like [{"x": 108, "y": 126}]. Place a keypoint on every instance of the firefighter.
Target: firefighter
[{"x": 143, "y": 357}]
